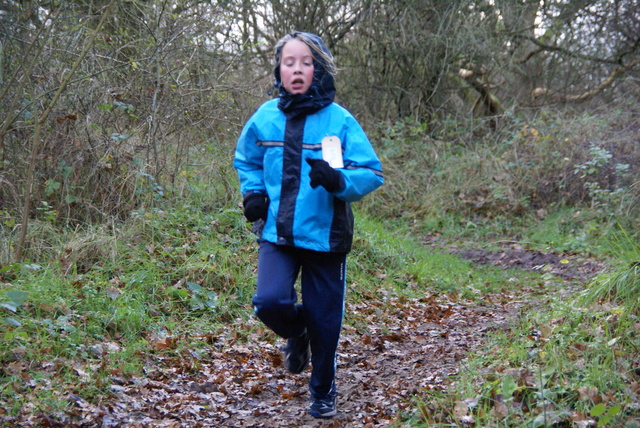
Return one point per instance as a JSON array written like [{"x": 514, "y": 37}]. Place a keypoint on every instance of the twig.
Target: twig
[{"x": 36, "y": 136}]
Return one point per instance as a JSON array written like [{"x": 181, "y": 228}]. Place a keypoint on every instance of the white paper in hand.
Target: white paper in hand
[{"x": 332, "y": 151}]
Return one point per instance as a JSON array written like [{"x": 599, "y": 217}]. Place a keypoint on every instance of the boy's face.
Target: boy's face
[{"x": 296, "y": 67}]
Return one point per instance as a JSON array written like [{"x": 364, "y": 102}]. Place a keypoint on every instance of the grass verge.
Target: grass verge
[{"x": 571, "y": 359}]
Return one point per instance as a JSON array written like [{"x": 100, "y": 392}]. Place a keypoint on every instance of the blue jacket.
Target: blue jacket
[{"x": 270, "y": 158}]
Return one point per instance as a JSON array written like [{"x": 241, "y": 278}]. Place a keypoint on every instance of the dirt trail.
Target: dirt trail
[
  {"x": 567, "y": 266},
  {"x": 410, "y": 345},
  {"x": 415, "y": 347}
]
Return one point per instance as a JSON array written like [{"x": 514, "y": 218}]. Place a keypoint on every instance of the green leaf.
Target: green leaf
[
  {"x": 604, "y": 420},
  {"x": 508, "y": 386},
  {"x": 124, "y": 106},
  {"x": 196, "y": 304},
  {"x": 9, "y": 305},
  {"x": 212, "y": 299},
  {"x": 597, "y": 410},
  {"x": 17, "y": 296},
  {"x": 51, "y": 186},
  {"x": 614, "y": 410},
  {"x": 66, "y": 171},
  {"x": 118, "y": 138},
  {"x": 69, "y": 199},
  {"x": 194, "y": 287},
  {"x": 12, "y": 321},
  {"x": 176, "y": 293}
]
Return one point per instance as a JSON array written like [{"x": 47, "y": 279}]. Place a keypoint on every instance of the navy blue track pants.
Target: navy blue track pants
[{"x": 323, "y": 285}]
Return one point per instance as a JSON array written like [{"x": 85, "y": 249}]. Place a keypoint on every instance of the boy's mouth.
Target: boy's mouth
[{"x": 297, "y": 82}]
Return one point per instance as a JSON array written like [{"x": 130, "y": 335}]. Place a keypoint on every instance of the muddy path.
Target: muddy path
[
  {"x": 418, "y": 345},
  {"x": 568, "y": 266},
  {"x": 401, "y": 347}
]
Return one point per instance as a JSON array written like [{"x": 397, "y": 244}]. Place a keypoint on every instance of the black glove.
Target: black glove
[
  {"x": 255, "y": 206},
  {"x": 322, "y": 174}
]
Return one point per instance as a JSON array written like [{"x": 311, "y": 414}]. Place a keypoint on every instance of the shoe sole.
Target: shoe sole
[{"x": 323, "y": 415}]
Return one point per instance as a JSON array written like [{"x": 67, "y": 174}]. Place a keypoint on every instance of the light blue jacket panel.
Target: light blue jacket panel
[{"x": 270, "y": 159}]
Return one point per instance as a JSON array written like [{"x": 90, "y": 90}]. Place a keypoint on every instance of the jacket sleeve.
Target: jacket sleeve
[
  {"x": 362, "y": 170},
  {"x": 249, "y": 160}
]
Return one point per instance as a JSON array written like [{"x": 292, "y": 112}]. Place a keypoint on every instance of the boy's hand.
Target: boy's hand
[
  {"x": 322, "y": 174},
  {"x": 255, "y": 207}
]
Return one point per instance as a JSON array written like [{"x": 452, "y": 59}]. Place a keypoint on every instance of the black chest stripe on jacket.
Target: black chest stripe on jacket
[{"x": 291, "y": 167}]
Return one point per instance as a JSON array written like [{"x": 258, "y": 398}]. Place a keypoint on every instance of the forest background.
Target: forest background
[{"x": 496, "y": 121}]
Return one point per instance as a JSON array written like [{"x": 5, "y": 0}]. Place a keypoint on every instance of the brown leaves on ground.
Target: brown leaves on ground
[
  {"x": 392, "y": 348},
  {"x": 406, "y": 346}
]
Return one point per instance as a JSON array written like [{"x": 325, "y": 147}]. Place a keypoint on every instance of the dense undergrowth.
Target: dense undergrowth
[{"x": 181, "y": 265}]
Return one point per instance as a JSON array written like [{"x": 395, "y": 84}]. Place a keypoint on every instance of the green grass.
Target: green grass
[
  {"x": 560, "y": 363},
  {"x": 553, "y": 368},
  {"x": 560, "y": 359},
  {"x": 171, "y": 271},
  {"x": 183, "y": 267},
  {"x": 570, "y": 357},
  {"x": 394, "y": 258},
  {"x": 621, "y": 286},
  {"x": 175, "y": 271}
]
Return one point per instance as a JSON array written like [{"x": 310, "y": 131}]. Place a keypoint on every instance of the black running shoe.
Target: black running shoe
[
  {"x": 323, "y": 408},
  {"x": 297, "y": 353}
]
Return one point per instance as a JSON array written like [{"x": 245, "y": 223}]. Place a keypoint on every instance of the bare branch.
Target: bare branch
[
  {"x": 564, "y": 51},
  {"x": 602, "y": 86}
]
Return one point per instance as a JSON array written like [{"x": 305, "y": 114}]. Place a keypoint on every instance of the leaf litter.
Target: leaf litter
[
  {"x": 407, "y": 346},
  {"x": 402, "y": 347}
]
